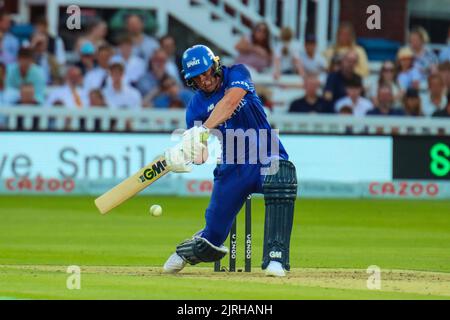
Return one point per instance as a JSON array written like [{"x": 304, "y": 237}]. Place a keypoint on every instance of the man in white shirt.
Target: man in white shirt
[
  {"x": 287, "y": 55},
  {"x": 45, "y": 59},
  {"x": 97, "y": 78},
  {"x": 435, "y": 100},
  {"x": 71, "y": 94},
  {"x": 55, "y": 43},
  {"x": 143, "y": 45},
  {"x": 168, "y": 45},
  {"x": 134, "y": 66},
  {"x": 119, "y": 94},
  {"x": 359, "y": 105},
  {"x": 313, "y": 62},
  {"x": 9, "y": 44}
]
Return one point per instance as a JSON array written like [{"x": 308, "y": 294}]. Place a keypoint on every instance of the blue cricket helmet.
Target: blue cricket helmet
[{"x": 196, "y": 60}]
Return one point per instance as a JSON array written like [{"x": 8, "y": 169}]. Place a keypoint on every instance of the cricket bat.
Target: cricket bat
[{"x": 132, "y": 185}]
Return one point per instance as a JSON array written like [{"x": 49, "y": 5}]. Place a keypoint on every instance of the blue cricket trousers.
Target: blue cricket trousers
[{"x": 232, "y": 184}]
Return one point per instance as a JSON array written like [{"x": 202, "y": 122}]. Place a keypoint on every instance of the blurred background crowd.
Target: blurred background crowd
[{"x": 136, "y": 70}]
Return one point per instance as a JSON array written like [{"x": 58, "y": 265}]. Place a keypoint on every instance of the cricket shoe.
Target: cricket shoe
[
  {"x": 174, "y": 264},
  {"x": 275, "y": 269}
]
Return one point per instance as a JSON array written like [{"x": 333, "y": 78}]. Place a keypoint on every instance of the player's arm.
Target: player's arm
[
  {"x": 194, "y": 140},
  {"x": 225, "y": 107}
]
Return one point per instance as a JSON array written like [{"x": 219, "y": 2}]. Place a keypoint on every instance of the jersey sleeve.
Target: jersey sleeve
[
  {"x": 191, "y": 115},
  {"x": 190, "y": 118},
  {"x": 239, "y": 77}
]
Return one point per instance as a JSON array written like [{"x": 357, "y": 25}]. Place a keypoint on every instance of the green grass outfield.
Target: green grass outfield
[{"x": 121, "y": 253}]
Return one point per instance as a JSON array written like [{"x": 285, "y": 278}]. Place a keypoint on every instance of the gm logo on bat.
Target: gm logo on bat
[{"x": 154, "y": 171}]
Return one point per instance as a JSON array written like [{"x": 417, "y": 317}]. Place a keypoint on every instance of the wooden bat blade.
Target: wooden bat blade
[{"x": 132, "y": 185}]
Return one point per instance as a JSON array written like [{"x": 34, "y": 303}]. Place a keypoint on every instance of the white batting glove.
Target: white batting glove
[
  {"x": 194, "y": 143},
  {"x": 176, "y": 160}
]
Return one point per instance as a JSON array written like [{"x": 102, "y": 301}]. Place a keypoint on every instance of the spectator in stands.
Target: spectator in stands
[
  {"x": 425, "y": 61},
  {"x": 27, "y": 98},
  {"x": 255, "y": 50},
  {"x": 311, "y": 102},
  {"x": 346, "y": 110},
  {"x": 336, "y": 81},
  {"x": 55, "y": 44},
  {"x": 345, "y": 42},
  {"x": 444, "y": 72},
  {"x": 96, "y": 99},
  {"x": 265, "y": 94},
  {"x": 27, "y": 95},
  {"x": 287, "y": 56},
  {"x": 134, "y": 65},
  {"x": 168, "y": 45},
  {"x": 335, "y": 64},
  {"x": 354, "y": 98},
  {"x": 435, "y": 100},
  {"x": 96, "y": 34},
  {"x": 71, "y": 94},
  {"x": 313, "y": 62},
  {"x": 408, "y": 76},
  {"x": 46, "y": 60},
  {"x": 444, "y": 56},
  {"x": 7, "y": 95},
  {"x": 119, "y": 94},
  {"x": 9, "y": 44},
  {"x": 143, "y": 45},
  {"x": 170, "y": 95},
  {"x": 445, "y": 112},
  {"x": 386, "y": 78},
  {"x": 26, "y": 72},
  {"x": 385, "y": 103},
  {"x": 155, "y": 73},
  {"x": 412, "y": 105},
  {"x": 87, "y": 58},
  {"x": 97, "y": 78}
]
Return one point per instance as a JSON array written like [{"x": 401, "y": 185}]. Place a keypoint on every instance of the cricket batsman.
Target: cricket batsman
[{"x": 226, "y": 101}]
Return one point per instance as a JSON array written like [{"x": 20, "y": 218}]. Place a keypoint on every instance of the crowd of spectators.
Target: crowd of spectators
[
  {"x": 138, "y": 71},
  {"x": 416, "y": 83}
]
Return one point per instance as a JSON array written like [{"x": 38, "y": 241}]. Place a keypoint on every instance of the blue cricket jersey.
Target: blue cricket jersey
[{"x": 248, "y": 115}]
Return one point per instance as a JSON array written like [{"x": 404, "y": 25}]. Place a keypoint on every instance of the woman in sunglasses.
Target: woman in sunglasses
[{"x": 387, "y": 77}]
